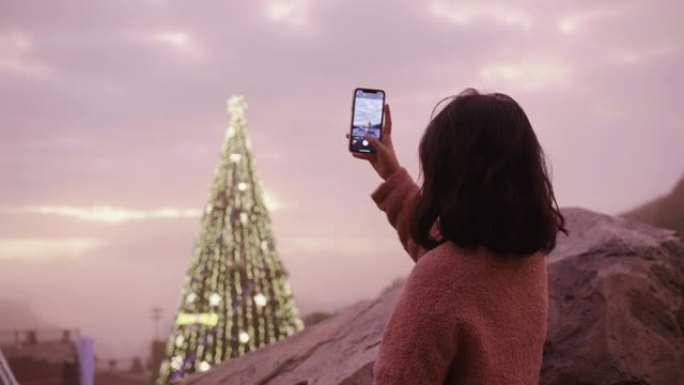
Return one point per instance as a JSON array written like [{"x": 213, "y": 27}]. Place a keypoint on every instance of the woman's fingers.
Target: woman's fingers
[{"x": 387, "y": 128}]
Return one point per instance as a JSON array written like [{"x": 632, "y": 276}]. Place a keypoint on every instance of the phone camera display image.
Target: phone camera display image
[{"x": 367, "y": 119}]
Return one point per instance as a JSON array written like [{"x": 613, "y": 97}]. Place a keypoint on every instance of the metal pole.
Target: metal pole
[{"x": 156, "y": 316}]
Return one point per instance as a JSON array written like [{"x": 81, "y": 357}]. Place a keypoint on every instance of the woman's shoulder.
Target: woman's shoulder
[
  {"x": 456, "y": 267},
  {"x": 439, "y": 266},
  {"x": 445, "y": 257}
]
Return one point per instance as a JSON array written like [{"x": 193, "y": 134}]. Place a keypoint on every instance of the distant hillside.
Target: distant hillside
[
  {"x": 17, "y": 315},
  {"x": 666, "y": 211}
]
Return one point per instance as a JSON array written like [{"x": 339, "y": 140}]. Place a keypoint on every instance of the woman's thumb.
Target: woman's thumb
[{"x": 378, "y": 145}]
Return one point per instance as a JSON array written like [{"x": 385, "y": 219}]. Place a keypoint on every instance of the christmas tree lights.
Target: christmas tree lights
[{"x": 236, "y": 297}]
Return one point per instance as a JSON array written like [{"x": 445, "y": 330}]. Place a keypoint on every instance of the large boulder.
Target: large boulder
[
  {"x": 616, "y": 316},
  {"x": 616, "y": 304}
]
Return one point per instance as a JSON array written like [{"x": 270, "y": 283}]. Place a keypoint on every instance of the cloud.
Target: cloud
[
  {"x": 118, "y": 215},
  {"x": 111, "y": 215},
  {"x": 530, "y": 75},
  {"x": 633, "y": 55},
  {"x": 41, "y": 248},
  {"x": 179, "y": 40},
  {"x": 15, "y": 50},
  {"x": 293, "y": 12},
  {"x": 273, "y": 203},
  {"x": 576, "y": 21},
  {"x": 470, "y": 12}
]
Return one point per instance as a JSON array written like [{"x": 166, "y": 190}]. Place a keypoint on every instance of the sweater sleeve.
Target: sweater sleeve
[
  {"x": 419, "y": 343},
  {"x": 396, "y": 197}
]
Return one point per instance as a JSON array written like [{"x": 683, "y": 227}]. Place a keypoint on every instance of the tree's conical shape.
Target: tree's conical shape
[{"x": 236, "y": 297}]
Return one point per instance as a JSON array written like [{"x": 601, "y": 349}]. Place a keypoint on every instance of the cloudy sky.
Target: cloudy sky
[{"x": 112, "y": 114}]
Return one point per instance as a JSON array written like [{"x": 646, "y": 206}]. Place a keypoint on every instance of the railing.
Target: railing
[{"x": 122, "y": 364}]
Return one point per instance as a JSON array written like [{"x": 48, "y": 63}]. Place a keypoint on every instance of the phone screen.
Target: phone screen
[{"x": 367, "y": 118}]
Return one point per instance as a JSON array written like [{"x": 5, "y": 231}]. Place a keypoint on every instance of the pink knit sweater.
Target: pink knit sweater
[{"x": 464, "y": 317}]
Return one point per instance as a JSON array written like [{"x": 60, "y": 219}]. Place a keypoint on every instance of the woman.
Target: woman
[{"x": 473, "y": 310}]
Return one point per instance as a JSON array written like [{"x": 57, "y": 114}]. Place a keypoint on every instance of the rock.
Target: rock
[
  {"x": 666, "y": 211},
  {"x": 616, "y": 317},
  {"x": 316, "y": 317},
  {"x": 616, "y": 304}
]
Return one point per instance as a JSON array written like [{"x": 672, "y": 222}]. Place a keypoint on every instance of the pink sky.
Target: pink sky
[{"x": 122, "y": 104}]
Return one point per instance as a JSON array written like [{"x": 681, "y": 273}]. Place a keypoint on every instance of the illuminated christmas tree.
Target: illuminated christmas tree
[{"x": 236, "y": 297}]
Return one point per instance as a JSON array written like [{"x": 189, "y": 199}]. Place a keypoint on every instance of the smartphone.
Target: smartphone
[{"x": 367, "y": 118}]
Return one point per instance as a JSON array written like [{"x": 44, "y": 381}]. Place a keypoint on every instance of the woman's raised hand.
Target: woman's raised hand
[{"x": 384, "y": 161}]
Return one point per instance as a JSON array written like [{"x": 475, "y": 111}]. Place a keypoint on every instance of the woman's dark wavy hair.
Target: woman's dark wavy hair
[{"x": 485, "y": 181}]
